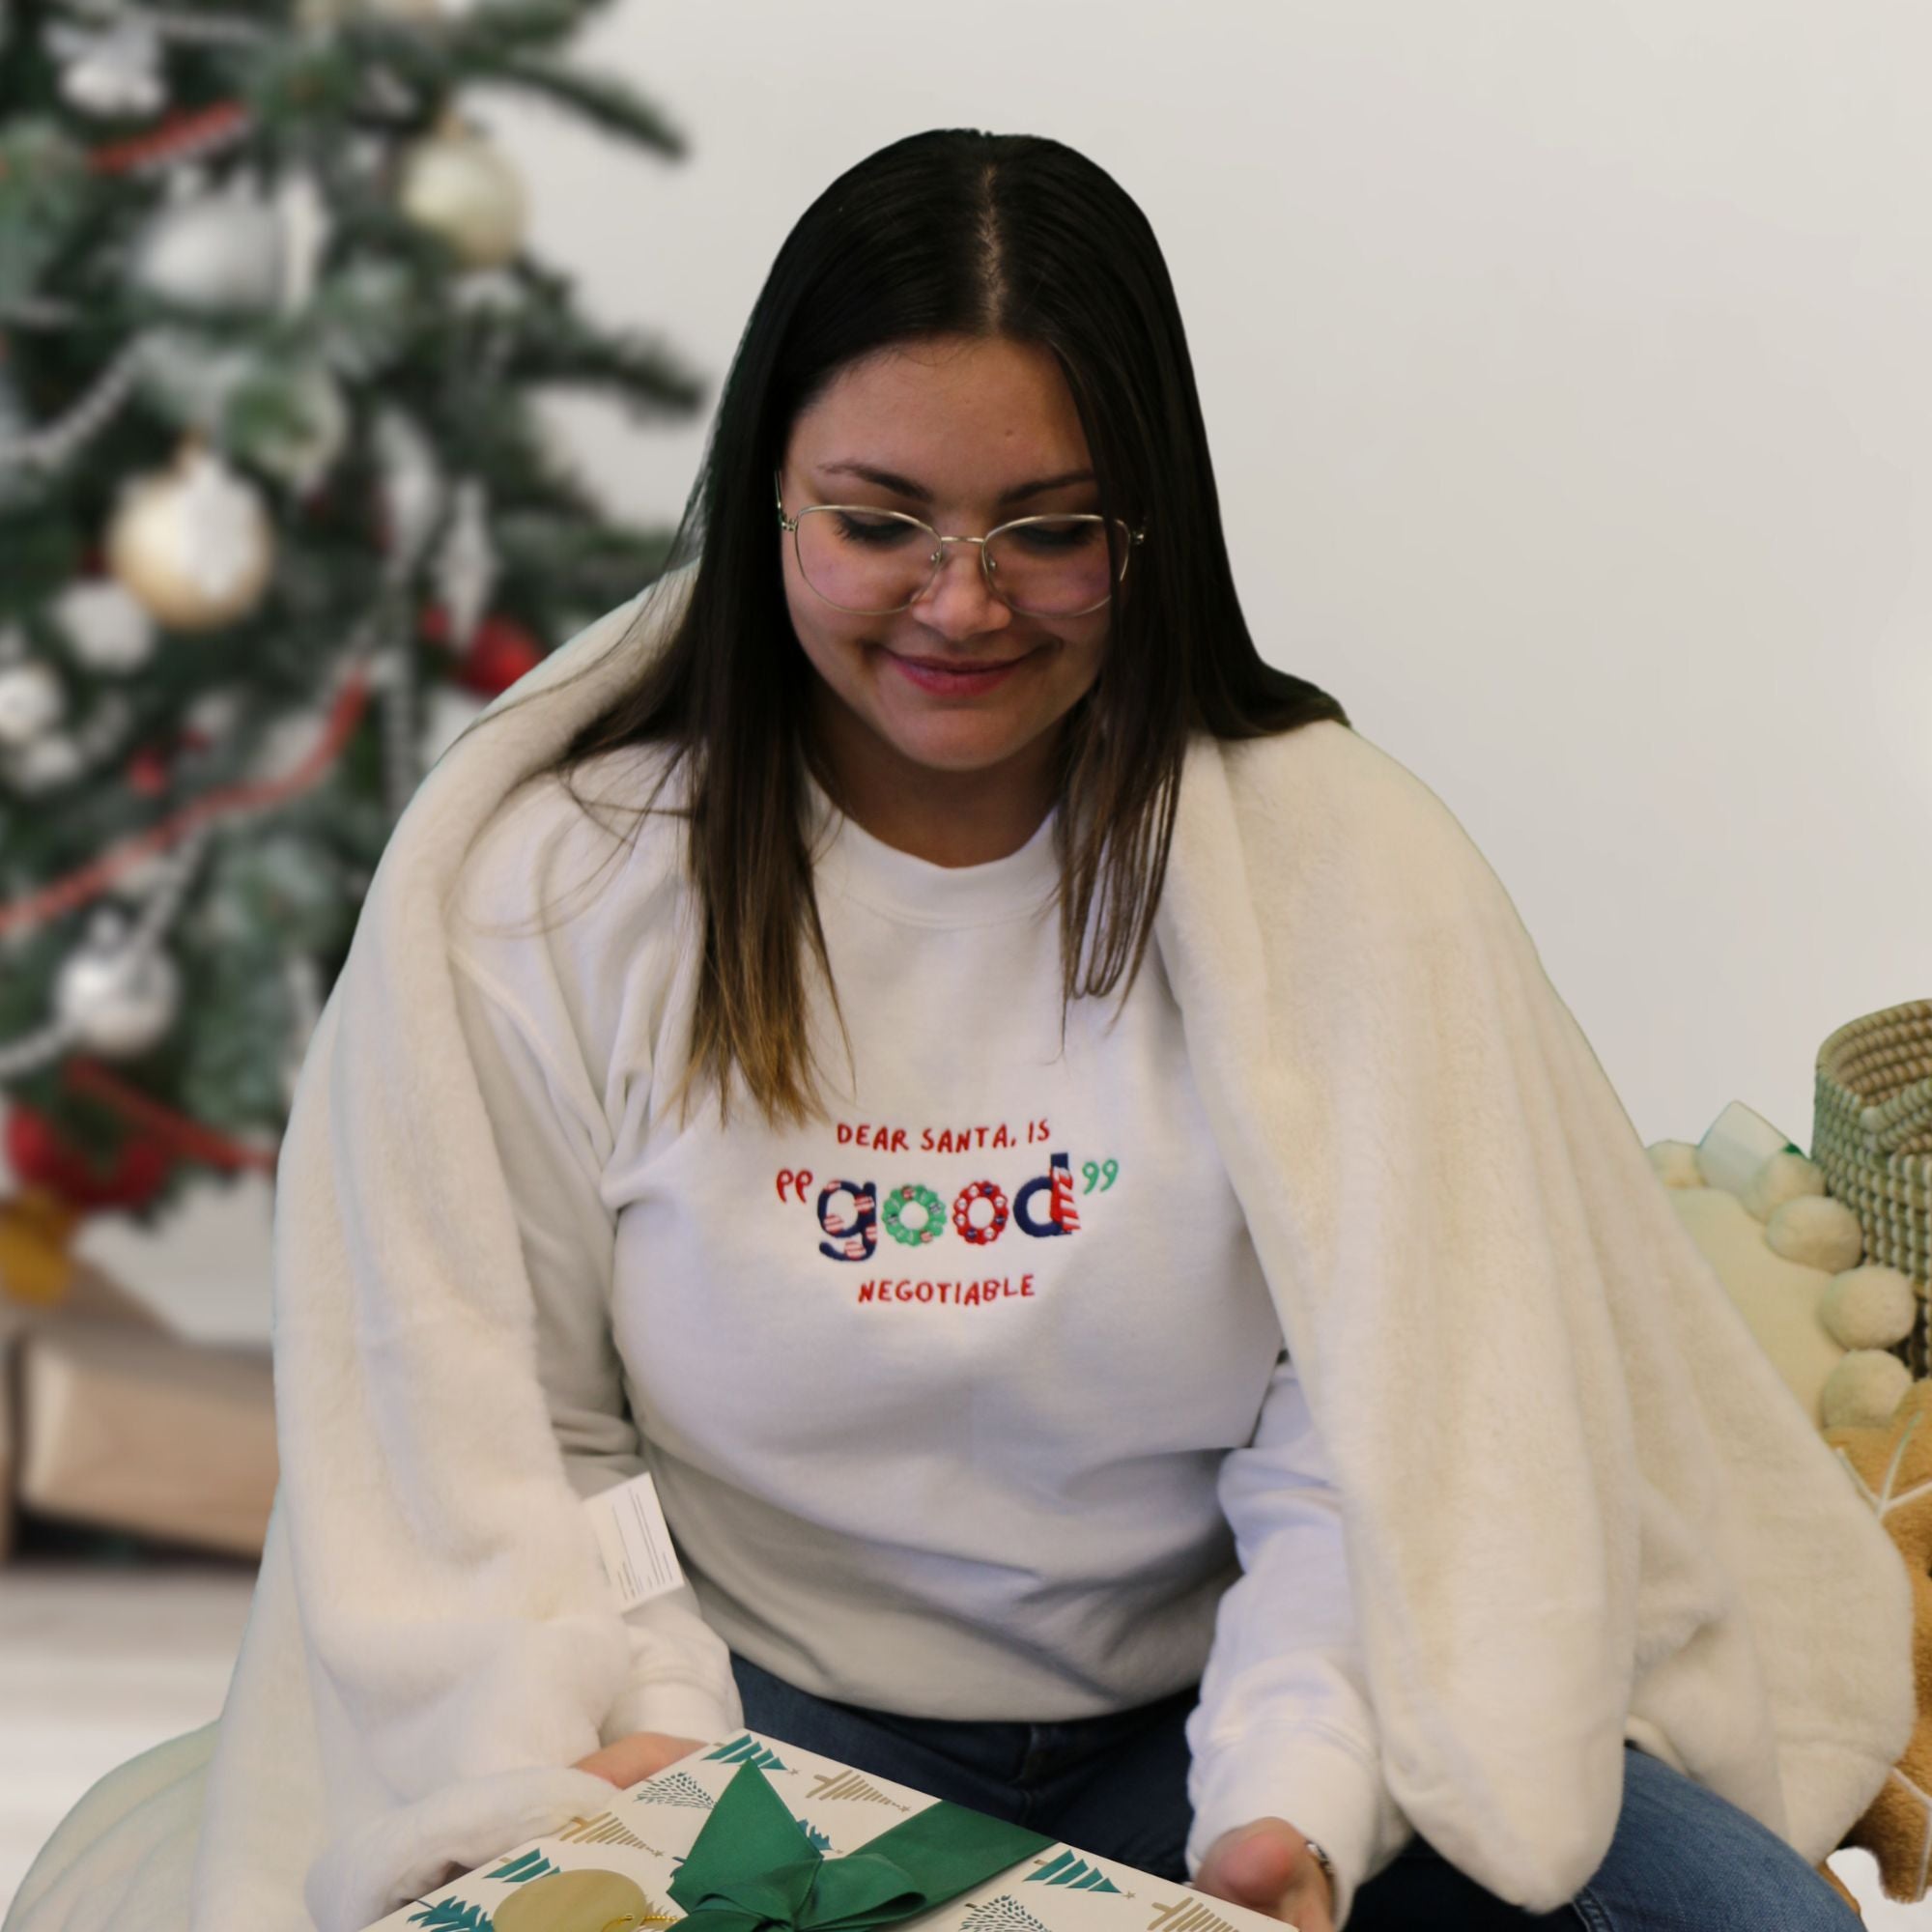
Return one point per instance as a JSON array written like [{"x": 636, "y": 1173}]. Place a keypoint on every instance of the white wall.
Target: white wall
[{"x": 1566, "y": 375}]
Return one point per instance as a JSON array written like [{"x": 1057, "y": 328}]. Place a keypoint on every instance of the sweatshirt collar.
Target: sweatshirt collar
[{"x": 854, "y": 862}]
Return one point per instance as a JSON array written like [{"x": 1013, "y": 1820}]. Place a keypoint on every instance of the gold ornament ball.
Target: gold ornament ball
[
  {"x": 193, "y": 544},
  {"x": 458, "y": 186}
]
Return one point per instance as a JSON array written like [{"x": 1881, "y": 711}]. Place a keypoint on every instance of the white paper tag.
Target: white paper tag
[{"x": 634, "y": 1541}]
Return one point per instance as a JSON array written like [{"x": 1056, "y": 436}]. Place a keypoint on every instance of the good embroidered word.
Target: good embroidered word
[{"x": 851, "y": 1212}]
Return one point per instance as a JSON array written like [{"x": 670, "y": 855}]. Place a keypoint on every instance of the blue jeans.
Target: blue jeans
[{"x": 1682, "y": 1859}]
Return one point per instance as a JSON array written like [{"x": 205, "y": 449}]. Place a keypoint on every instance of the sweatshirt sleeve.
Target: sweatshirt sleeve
[
  {"x": 680, "y": 1669},
  {"x": 453, "y": 1646},
  {"x": 1284, "y": 1727}
]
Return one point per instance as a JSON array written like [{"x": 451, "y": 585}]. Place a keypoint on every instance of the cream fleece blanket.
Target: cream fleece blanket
[{"x": 1582, "y": 1504}]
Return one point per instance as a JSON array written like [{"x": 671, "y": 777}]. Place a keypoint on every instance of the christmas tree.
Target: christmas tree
[{"x": 272, "y": 497}]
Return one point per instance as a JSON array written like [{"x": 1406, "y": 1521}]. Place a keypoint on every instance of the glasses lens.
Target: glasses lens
[
  {"x": 1053, "y": 566},
  {"x": 863, "y": 559}
]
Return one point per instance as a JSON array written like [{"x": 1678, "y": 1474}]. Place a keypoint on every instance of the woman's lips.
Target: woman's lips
[{"x": 966, "y": 682}]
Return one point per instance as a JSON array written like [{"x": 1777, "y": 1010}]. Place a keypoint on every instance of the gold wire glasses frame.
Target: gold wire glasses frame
[{"x": 791, "y": 524}]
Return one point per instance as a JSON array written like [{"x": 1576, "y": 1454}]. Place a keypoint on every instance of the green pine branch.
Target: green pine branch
[
  {"x": 390, "y": 317},
  {"x": 609, "y": 104},
  {"x": 45, "y": 195},
  {"x": 500, "y": 27},
  {"x": 648, "y": 379},
  {"x": 436, "y": 66},
  {"x": 569, "y": 549},
  {"x": 305, "y": 84}
]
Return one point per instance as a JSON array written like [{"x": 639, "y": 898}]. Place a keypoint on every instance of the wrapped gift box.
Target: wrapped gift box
[
  {"x": 614, "y": 1872},
  {"x": 118, "y": 1421},
  {"x": 93, "y": 1301}
]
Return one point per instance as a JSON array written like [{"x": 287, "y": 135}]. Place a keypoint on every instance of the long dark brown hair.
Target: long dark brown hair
[{"x": 953, "y": 232}]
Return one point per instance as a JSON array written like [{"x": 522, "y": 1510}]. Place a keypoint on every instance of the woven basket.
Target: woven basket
[{"x": 1872, "y": 1135}]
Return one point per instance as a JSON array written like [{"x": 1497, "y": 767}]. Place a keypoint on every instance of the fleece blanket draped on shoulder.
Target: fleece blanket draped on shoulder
[{"x": 1580, "y": 1505}]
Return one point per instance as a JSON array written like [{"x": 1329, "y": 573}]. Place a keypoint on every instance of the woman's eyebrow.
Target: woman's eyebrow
[{"x": 903, "y": 486}]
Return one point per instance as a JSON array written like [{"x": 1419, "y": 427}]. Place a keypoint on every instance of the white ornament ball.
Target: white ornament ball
[
  {"x": 222, "y": 250},
  {"x": 106, "y": 627},
  {"x": 31, "y": 702},
  {"x": 112, "y": 69},
  {"x": 1863, "y": 1390},
  {"x": 1818, "y": 1231},
  {"x": 215, "y": 713},
  {"x": 54, "y": 759},
  {"x": 114, "y": 1001},
  {"x": 1868, "y": 1307},
  {"x": 193, "y": 544},
  {"x": 284, "y": 743},
  {"x": 458, "y": 186}
]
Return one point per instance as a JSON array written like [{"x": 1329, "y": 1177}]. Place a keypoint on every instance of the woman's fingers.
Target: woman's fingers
[
  {"x": 1265, "y": 1867},
  {"x": 640, "y": 1755}
]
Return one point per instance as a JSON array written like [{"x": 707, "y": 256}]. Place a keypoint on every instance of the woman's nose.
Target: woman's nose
[{"x": 959, "y": 603}]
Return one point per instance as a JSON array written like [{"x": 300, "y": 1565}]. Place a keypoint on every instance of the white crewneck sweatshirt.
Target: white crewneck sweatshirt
[{"x": 960, "y": 1401}]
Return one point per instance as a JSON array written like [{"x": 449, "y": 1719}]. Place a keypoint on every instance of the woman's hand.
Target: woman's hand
[
  {"x": 640, "y": 1755},
  {"x": 1265, "y": 1866}
]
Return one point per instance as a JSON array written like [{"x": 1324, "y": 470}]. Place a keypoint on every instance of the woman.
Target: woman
[{"x": 978, "y": 1339}]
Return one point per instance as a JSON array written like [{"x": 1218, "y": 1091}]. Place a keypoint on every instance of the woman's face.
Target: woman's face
[{"x": 963, "y": 427}]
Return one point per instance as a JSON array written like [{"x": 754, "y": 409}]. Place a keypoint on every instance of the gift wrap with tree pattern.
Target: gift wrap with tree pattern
[{"x": 612, "y": 1872}]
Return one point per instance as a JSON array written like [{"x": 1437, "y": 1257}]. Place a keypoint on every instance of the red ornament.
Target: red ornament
[
  {"x": 433, "y": 625},
  {"x": 151, "y": 768},
  {"x": 499, "y": 653},
  {"x": 148, "y": 772},
  {"x": 40, "y": 1156}
]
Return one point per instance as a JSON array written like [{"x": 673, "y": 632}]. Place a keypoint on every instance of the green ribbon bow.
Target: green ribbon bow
[{"x": 752, "y": 1866}]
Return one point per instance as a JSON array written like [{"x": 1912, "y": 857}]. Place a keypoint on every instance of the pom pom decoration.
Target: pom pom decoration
[
  {"x": 1675, "y": 1163},
  {"x": 1784, "y": 1176},
  {"x": 1817, "y": 1231},
  {"x": 193, "y": 544},
  {"x": 1868, "y": 1307},
  {"x": 1794, "y": 1276},
  {"x": 1863, "y": 1390}
]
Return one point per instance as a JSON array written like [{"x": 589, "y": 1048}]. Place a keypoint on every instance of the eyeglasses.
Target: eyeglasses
[{"x": 876, "y": 562}]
